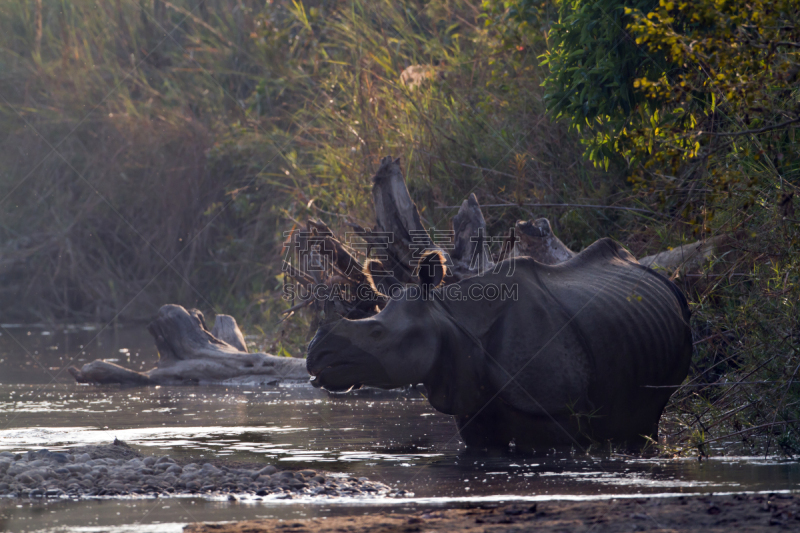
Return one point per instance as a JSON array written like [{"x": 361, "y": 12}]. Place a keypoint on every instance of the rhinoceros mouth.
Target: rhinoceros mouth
[
  {"x": 339, "y": 371},
  {"x": 318, "y": 375}
]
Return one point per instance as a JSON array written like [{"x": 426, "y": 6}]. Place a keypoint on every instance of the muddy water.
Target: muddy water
[{"x": 392, "y": 437}]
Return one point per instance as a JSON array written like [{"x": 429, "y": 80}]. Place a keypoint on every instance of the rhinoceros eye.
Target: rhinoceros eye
[{"x": 376, "y": 332}]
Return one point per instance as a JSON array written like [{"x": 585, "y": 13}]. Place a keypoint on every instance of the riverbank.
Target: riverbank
[
  {"x": 119, "y": 470},
  {"x": 741, "y": 512}
]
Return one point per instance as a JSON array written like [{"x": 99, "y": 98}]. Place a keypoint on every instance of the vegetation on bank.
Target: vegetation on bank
[{"x": 157, "y": 152}]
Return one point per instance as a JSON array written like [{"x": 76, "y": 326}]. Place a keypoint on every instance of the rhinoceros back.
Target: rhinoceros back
[{"x": 604, "y": 339}]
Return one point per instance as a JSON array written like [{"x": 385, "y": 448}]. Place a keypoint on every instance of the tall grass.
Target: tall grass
[{"x": 117, "y": 160}]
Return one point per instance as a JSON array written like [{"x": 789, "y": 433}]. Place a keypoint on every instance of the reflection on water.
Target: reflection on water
[
  {"x": 41, "y": 354},
  {"x": 392, "y": 437}
]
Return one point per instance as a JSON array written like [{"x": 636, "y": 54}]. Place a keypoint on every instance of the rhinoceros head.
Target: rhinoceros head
[{"x": 396, "y": 347}]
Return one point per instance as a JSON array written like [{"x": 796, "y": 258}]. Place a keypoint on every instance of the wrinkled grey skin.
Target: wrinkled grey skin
[{"x": 578, "y": 357}]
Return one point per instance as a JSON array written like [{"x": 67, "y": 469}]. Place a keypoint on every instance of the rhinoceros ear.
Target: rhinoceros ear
[
  {"x": 432, "y": 269},
  {"x": 379, "y": 278}
]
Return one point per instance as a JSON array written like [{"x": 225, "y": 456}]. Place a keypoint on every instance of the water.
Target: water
[{"x": 392, "y": 437}]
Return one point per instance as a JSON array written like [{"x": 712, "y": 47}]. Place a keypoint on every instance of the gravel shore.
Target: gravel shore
[
  {"x": 707, "y": 514},
  {"x": 118, "y": 470}
]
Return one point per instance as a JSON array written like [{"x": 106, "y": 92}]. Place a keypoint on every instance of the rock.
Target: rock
[
  {"x": 25, "y": 479},
  {"x": 17, "y": 468},
  {"x": 56, "y": 475},
  {"x": 43, "y": 473},
  {"x": 59, "y": 458},
  {"x": 37, "y": 454}
]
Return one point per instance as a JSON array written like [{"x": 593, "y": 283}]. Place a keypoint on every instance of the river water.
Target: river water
[{"x": 392, "y": 437}]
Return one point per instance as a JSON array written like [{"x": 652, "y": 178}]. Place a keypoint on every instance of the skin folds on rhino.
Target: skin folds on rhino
[{"x": 587, "y": 350}]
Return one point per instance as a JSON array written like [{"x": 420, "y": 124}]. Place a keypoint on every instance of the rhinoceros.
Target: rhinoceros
[{"x": 588, "y": 350}]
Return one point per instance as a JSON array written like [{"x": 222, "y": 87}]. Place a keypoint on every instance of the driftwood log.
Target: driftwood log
[
  {"x": 190, "y": 353},
  {"x": 395, "y": 244},
  {"x": 689, "y": 257}
]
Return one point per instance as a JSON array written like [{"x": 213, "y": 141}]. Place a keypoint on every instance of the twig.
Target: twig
[
  {"x": 292, "y": 272},
  {"x": 715, "y": 335},
  {"x": 762, "y": 426},
  {"x": 748, "y": 132},
  {"x": 560, "y": 205},
  {"x": 199, "y": 21},
  {"x": 710, "y": 384},
  {"x": 698, "y": 376},
  {"x": 485, "y": 170},
  {"x": 716, "y": 422},
  {"x": 298, "y": 306}
]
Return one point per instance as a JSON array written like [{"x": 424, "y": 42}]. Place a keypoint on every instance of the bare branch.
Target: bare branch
[
  {"x": 649, "y": 212},
  {"x": 748, "y": 132}
]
